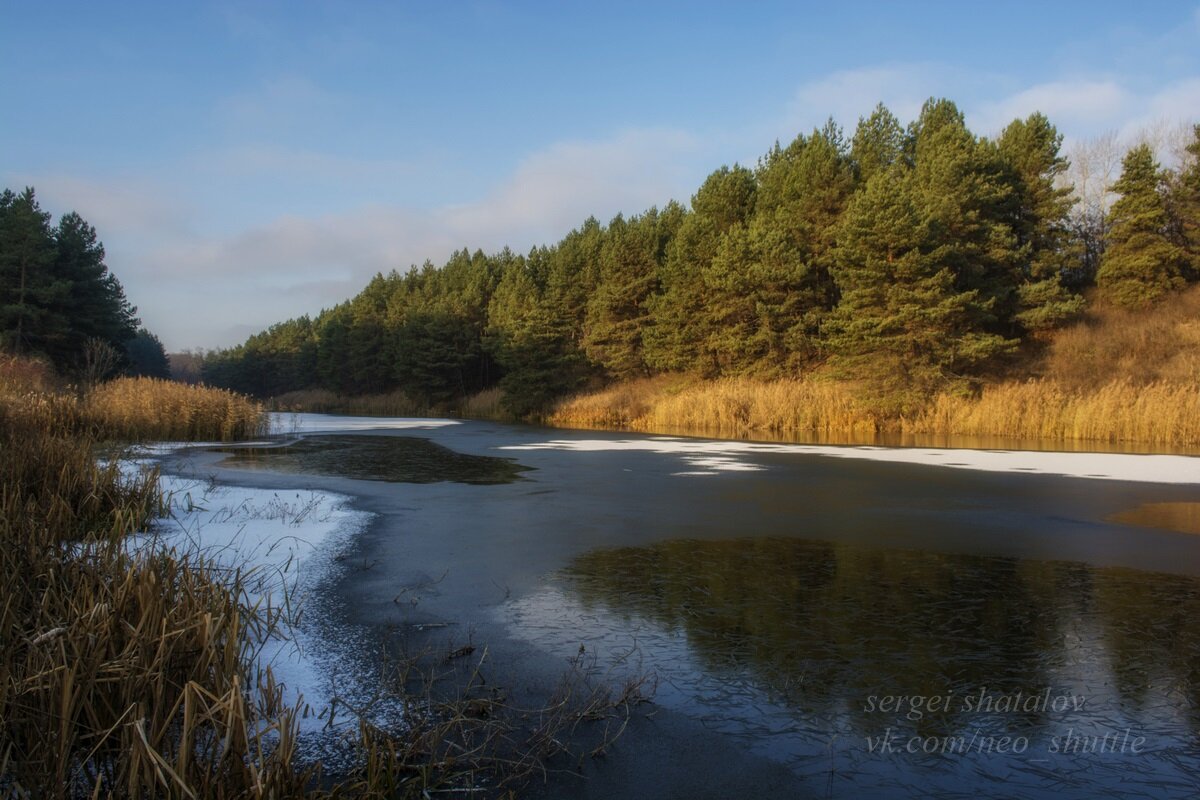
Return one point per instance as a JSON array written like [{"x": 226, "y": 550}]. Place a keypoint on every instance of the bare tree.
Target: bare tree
[
  {"x": 99, "y": 360},
  {"x": 1095, "y": 167}
]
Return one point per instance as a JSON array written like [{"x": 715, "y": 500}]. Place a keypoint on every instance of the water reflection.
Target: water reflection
[
  {"x": 399, "y": 459},
  {"x": 1183, "y": 517},
  {"x": 896, "y": 439},
  {"x": 810, "y": 651}
]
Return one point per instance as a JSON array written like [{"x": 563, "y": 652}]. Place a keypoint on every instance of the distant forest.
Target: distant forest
[{"x": 911, "y": 259}]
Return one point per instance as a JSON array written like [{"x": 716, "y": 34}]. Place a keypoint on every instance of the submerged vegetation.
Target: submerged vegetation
[
  {"x": 876, "y": 278},
  {"x": 395, "y": 459}
]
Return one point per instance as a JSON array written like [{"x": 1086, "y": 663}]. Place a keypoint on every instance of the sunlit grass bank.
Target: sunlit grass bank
[
  {"x": 147, "y": 408},
  {"x": 125, "y": 409},
  {"x": 1113, "y": 377},
  {"x": 1157, "y": 414},
  {"x": 121, "y": 674}
]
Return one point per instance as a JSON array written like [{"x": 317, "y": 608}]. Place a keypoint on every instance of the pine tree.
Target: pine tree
[
  {"x": 1140, "y": 262},
  {"x": 29, "y": 289},
  {"x": 531, "y": 342},
  {"x": 768, "y": 285},
  {"x": 904, "y": 325},
  {"x": 616, "y": 315},
  {"x": 1040, "y": 210},
  {"x": 1185, "y": 206},
  {"x": 146, "y": 356},
  {"x": 964, "y": 201},
  {"x": 94, "y": 304},
  {"x": 56, "y": 293},
  {"x": 676, "y": 340},
  {"x": 333, "y": 333},
  {"x": 878, "y": 143}
]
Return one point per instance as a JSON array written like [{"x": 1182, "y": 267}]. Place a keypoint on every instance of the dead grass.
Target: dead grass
[
  {"x": 1161, "y": 345},
  {"x": 733, "y": 405},
  {"x": 26, "y": 374},
  {"x": 131, "y": 672},
  {"x": 487, "y": 404},
  {"x": 151, "y": 408},
  {"x": 1164, "y": 414}
]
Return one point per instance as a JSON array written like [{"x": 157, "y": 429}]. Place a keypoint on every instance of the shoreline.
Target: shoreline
[
  {"x": 464, "y": 553},
  {"x": 1118, "y": 416}
]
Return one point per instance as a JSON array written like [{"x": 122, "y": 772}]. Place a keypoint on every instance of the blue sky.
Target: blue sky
[{"x": 246, "y": 162}]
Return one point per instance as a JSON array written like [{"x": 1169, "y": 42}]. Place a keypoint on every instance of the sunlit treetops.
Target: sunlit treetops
[{"x": 908, "y": 258}]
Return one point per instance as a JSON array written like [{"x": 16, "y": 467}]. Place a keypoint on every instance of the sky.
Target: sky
[{"x": 247, "y": 162}]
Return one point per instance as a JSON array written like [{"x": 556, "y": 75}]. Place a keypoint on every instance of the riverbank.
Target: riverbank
[
  {"x": 1121, "y": 412},
  {"x": 1114, "y": 380},
  {"x": 163, "y": 633}
]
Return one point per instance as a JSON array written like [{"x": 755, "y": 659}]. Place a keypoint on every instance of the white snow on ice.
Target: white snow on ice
[
  {"x": 702, "y": 457},
  {"x": 282, "y": 544},
  {"x": 283, "y": 422}
]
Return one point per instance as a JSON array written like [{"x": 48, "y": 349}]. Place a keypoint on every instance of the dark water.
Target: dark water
[
  {"x": 399, "y": 459},
  {"x": 883, "y": 630},
  {"x": 1032, "y": 678}
]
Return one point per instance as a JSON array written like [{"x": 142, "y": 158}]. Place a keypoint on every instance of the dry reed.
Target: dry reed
[
  {"x": 131, "y": 672},
  {"x": 1162, "y": 414},
  {"x": 149, "y": 408}
]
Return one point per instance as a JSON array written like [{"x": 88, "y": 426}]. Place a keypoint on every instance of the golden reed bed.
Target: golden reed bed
[{"x": 1159, "y": 413}]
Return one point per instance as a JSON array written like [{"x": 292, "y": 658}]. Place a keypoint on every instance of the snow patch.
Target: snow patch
[
  {"x": 282, "y": 544},
  {"x": 282, "y": 422},
  {"x": 716, "y": 457}
]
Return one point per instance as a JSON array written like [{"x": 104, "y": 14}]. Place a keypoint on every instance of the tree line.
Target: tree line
[
  {"x": 59, "y": 301},
  {"x": 912, "y": 258}
]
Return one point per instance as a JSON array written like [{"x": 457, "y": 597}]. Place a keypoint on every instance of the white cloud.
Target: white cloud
[
  {"x": 211, "y": 288},
  {"x": 122, "y": 206},
  {"x": 850, "y": 94},
  {"x": 1070, "y": 104},
  {"x": 559, "y": 187}
]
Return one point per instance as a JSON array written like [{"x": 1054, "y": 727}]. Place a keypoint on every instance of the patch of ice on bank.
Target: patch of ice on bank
[
  {"x": 284, "y": 422},
  {"x": 715, "y": 457},
  {"x": 281, "y": 544},
  {"x": 165, "y": 448}
]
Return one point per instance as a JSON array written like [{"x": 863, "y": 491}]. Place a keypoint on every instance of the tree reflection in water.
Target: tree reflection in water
[{"x": 820, "y": 628}]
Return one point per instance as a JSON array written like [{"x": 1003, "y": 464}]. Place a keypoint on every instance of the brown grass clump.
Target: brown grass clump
[
  {"x": 1160, "y": 413},
  {"x": 150, "y": 408},
  {"x": 26, "y": 374},
  {"x": 1159, "y": 345},
  {"x": 734, "y": 406},
  {"x": 487, "y": 404},
  {"x": 120, "y": 674},
  {"x": 483, "y": 405},
  {"x": 622, "y": 405}
]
